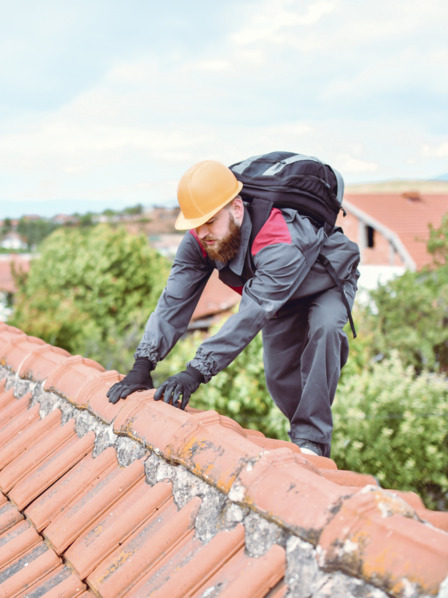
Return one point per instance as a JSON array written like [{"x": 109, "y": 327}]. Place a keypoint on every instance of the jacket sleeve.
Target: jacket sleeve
[
  {"x": 170, "y": 319},
  {"x": 280, "y": 269}
]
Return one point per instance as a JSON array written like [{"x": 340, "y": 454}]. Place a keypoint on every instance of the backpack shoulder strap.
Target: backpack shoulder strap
[
  {"x": 259, "y": 210},
  {"x": 332, "y": 272}
]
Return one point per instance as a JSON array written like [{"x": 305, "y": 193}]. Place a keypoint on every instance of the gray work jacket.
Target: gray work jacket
[{"x": 277, "y": 267}]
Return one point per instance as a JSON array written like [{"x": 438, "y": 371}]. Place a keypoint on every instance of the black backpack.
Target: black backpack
[
  {"x": 297, "y": 181},
  {"x": 289, "y": 180}
]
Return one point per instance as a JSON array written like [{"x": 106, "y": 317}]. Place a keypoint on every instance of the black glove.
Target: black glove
[
  {"x": 184, "y": 383},
  {"x": 139, "y": 378}
]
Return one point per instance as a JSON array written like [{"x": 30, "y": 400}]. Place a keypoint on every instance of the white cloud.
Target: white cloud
[
  {"x": 274, "y": 17},
  {"x": 359, "y": 85},
  {"x": 439, "y": 150},
  {"x": 351, "y": 165}
]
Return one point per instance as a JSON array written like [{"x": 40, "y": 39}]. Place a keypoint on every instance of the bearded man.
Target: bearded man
[{"x": 285, "y": 293}]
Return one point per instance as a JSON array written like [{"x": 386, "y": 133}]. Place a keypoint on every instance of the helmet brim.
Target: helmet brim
[{"x": 183, "y": 223}]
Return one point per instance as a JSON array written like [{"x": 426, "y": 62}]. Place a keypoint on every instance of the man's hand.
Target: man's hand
[
  {"x": 185, "y": 383},
  {"x": 139, "y": 378}
]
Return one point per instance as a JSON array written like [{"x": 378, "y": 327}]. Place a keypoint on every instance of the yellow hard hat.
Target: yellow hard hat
[{"x": 203, "y": 190}]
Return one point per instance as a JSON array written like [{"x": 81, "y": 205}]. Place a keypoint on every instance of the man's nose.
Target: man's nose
[{"x": 202, "y": 231}]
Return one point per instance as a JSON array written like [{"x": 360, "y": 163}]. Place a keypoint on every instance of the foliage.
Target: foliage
[
  {"x": 410, "y": 314},
  {"x": 35, "y": 230},
  {"x": 6, "y": 226},
  {"x": 438, "y": 242},
  {"x": 391, "y": 423},
  {"x": 136, "y": 210},
  {"x": 239, "y": 391},
  {"x": 90, "y": 291}
]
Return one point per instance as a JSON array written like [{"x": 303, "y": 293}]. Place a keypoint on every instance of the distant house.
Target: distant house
[
  {"x": 13, "y": 242},
  {"x": 392, "y": 230},
  {"x": 7, "y": 284}
]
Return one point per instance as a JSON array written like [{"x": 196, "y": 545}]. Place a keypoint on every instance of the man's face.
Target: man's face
[{"x": 220, "y": 236}]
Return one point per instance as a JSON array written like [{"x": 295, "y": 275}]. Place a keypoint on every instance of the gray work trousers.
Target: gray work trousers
[{"x": 304, "y": 352}]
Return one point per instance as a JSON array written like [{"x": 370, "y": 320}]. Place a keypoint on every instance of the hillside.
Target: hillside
[{"x": 399, "y": 186}]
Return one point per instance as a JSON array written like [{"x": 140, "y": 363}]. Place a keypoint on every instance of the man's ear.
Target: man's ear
[{"x": 237, "y": 208}]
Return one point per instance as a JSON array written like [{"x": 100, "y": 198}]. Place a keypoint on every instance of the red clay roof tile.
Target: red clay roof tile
[
  {"x": 70, "y": 378},
  {"x": 355, "y": 541},
  {"x": 41, "y": 361},
  {"x": 18, "y": 348},
  {"x": 146, "y": 550},
  {"x": 203, "y": 565},
  {"x": 179, "y": 521},
  {"x": 59, "y": 582},
  {"x": 55, "y": 465},
  {"x": 9, "y": 516},
  {"x": 289, "y": 493},
  {"x": 91, "y": 504},
  {"x": 34, "y": 455},
  {"x": 27, "y": 437},
  {"x": 108, "y": 533},
  {"x": 26, "y": 570},
  {"x": 18, "y": 425},
  {"x": 70, "y": 487},
  {"x": 93, "y": 392},
  {"x": 17, "y": 540}
]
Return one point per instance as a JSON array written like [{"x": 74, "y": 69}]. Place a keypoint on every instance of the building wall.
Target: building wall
[{"x": 380, "y": 253}]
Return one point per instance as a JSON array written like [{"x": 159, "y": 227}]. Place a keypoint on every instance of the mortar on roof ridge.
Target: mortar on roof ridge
[
  {"x": 13, "y": 380},
  {"x": 390, "y": 504},
  {"x": 261, "y": 533},
  {"x": 237, "y": 492},
  {"x": 410, "y": 589},
  {"x": 217, "y": 512},
  {"x": 306, "y": 579},
  {"x": 128, "y": 450},
  {"x": 443, "y": 590}
]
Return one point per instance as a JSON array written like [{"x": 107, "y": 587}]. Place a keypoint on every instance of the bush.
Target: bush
[
  {"x": 90, "y": 291},
  {"x": 391, "y": 423}
]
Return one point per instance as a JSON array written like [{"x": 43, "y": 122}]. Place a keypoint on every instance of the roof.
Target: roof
[
  {"x": 142, "y": 499},
  {"x": 406, "y": 215},
  {"x": 21, "y": 262},
  {"x": 216, "y": 298}
]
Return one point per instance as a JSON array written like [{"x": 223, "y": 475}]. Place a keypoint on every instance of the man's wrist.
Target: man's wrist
[{"x": 198, "y": 376}]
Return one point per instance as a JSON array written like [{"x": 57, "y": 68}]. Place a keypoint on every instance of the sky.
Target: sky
[{"x": 106, "y": 103}]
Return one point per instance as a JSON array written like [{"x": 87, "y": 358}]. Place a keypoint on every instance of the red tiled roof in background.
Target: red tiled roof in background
[
  {"x": 216, "y": 298},
  {"x": 21, "y": 263},
  {"x": 142, "y": 499},
  {"x": 407, "y": 215}
]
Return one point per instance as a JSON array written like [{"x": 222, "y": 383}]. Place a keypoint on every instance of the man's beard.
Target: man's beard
[{"x": 227, "y": 248}]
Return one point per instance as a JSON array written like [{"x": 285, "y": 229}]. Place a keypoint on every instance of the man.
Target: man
[{"x": 285, "y": 293}]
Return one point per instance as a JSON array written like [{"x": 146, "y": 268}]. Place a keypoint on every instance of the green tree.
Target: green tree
[
  {"x": 35, "y": 230},
  {"x": 438, "y": 242},
  {"x": 410, "y": 313},
  {"x": 6, "y": 226},
  {"x": 136, "y": 210},
  {"x": 90, "y": 291}
]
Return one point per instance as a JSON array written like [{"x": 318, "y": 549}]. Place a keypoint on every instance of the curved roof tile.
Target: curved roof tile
[{"x": 140, "y": 499}]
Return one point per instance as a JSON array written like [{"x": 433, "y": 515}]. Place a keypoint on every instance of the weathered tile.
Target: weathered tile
[
  {"x": 125, "y": 516},
  {"x": 65, "y": 491},
  {"x": 91, "y": 504}
]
